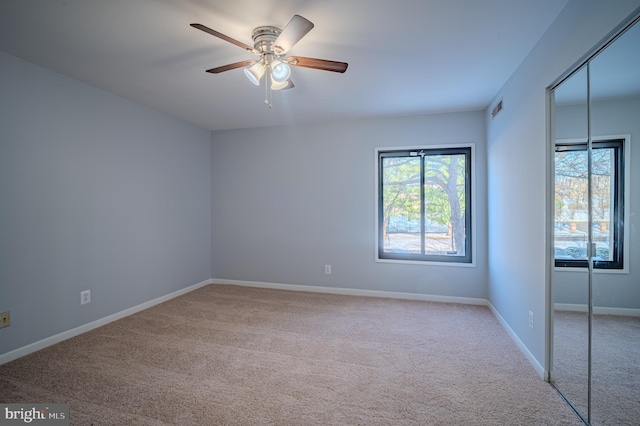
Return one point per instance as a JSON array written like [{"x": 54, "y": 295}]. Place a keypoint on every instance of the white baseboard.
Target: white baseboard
[
  {"x": 57, "y": 338},
  {"x": 356, "y": 292},
  {"x": 598, "y": 310},
  {"x": 569, "y": 307},
  {"x": 532, "y": 360}
]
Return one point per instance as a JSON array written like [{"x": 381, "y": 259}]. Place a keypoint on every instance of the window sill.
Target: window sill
[
  {"x": 427, "y": 263},
  {"x": 624, "y": 271}
]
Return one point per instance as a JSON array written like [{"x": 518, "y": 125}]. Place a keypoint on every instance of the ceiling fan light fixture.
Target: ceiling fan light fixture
[
  {"x": 279, "y": 85},
  {"x": 280, "y": 71},
  {"x": 271, "y": 44},
  {"x": 255, "y": 72}
]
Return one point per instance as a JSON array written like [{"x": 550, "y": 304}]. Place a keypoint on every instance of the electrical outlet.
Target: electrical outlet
[
  {"x": 5, "y": 319},
  {"x": 85, "y": 297},
  {"x": 531, "y": 320},
  {"x": 327, "y": 269}
]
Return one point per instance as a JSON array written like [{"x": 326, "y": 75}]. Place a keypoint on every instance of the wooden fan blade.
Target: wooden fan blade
[
  {"x": 297, "y": 28},
  {"x": 222, "y": 36},
  {"x": 319, "y": 64},
  {"x": 233, "y": 66}
]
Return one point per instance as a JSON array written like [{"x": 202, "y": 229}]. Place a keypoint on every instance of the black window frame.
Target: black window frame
[
  {"x": 424, "y": 152},
  {"x": 617, "y": 220}
]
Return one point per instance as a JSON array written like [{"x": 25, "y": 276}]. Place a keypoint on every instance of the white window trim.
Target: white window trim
[{"x": 474, "y": 195}]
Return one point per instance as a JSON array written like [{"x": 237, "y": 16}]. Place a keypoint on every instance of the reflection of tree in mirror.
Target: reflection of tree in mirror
[
  {"x": 572, "y": 180},
  {"x": 572, "y": 227}
]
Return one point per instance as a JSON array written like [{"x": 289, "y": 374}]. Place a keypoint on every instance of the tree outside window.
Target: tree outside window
[{"x": 424, "y": 204}]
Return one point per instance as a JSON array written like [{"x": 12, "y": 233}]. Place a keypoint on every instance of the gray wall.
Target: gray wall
[
  {"x": 289, "y": 200},
  {"x": 518, "y": 167},
  {"x": 612, "y": 290},
  {"x": 96, "y": 193}
]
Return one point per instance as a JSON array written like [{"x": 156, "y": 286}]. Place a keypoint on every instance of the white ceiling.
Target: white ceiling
[{"x": 405, "y": 57}]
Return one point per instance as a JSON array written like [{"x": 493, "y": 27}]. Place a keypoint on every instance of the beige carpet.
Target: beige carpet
[
  {"x": 229, "y": 355},
  {"x": 615, "y": 372}
]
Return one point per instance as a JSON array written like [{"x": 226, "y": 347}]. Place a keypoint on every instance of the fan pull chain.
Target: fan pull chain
[{"x": 267, "y": 90}]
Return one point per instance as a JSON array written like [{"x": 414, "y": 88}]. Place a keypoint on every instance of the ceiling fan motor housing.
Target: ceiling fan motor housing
[{"x": 263, "y": 38}]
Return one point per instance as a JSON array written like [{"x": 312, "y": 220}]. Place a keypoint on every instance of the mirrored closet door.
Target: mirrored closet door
[{"x": 595, "y": 347}]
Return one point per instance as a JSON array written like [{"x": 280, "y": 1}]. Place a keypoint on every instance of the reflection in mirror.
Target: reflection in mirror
[
  {"x": 571, "y": 292},
  {"x": 615, "y": 353},
  {"x": 596, "y": 312}
]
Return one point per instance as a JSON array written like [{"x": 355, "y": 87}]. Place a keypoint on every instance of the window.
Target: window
[
  {"x": 424, "y": 204},
  {"x": 571, "y": 204}
]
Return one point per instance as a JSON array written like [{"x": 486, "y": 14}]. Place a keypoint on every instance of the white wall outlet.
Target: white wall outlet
[
  {"x": 327, "y": 269},
  {"x": 531, "y": 320},
  {"x": 85, "y": 297},
  {"x": 5, "y": 319}
]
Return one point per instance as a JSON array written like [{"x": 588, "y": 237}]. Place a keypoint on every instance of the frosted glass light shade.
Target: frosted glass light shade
[
  {"x": 254, "y": 73},
  {"x": 280, "y": 71},
  {"x": 278, "y": 85}
]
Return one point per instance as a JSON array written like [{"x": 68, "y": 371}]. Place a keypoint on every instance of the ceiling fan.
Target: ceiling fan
[{"x": 270, "y": 45}]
